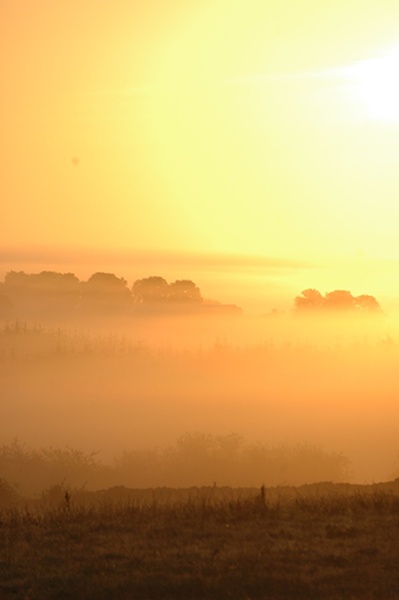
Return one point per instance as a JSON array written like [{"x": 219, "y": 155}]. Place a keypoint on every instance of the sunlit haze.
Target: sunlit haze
[
  {"x": 266, "y": 129},
  {"x": 249, "y": 147}
]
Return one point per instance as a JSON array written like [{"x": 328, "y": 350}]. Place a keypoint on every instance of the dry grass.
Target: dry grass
[{"x": 333, "y": 546}]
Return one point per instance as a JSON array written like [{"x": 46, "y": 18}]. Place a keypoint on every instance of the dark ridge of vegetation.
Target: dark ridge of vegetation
[
  {"x": 251, "y": 546},
  {"x": 195, "y": 459}
]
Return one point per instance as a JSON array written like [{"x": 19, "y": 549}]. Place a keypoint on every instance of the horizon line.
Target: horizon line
[{"x": 197, "y": 259}]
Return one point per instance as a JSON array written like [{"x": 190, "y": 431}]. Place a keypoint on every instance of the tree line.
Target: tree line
[
  {"x": 101, "y": 290},
  {"x": 195, "y": 459},
  {"x": 107, "y": 292}
]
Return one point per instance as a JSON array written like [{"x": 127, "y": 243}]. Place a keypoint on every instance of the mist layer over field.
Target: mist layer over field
[{"x": 112, "y": 384}]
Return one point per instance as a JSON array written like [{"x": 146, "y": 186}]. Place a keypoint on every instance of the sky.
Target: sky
[{"x": 251, "y": 146}]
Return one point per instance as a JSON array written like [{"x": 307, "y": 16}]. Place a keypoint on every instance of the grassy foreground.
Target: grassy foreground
[{"x": 320, "y": 546}]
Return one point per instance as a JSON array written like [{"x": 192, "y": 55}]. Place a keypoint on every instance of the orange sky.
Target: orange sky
[{"x": 258, "y": 131}]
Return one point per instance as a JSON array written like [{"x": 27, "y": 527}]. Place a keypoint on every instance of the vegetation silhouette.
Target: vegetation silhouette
[
  {"x": 47, "y": 291},
  {"x": 52, "y": 292},
  {"x": 158, "y": 290},
  {"x": 196, "y": 459},
  {"x": 338, "y": 301},
  {"x": 105, "y": 292}
]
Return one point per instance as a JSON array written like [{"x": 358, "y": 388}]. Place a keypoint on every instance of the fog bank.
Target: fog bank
[{"x": 114, "y": 385}]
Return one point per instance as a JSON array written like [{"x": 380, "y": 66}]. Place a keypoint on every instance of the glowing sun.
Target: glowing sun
[{"x": 375, "y": 83}]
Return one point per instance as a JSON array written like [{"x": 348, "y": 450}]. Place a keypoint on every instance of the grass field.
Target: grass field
[
  {"x": 78, "y": 541},
  {"x": 202, "y": 545}
]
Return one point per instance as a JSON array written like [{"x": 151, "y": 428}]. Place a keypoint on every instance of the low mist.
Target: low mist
[{"x": 114, "y": 385}]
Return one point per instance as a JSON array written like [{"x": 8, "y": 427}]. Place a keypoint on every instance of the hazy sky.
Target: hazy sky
[{"x": 219, "y": 129}]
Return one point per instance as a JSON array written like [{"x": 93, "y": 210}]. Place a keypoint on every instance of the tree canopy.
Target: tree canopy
[
  {"x": 101, "y": 292},
  {"x": 156, "y": 289},
  {"x": 44, "y": 283},
  {"x": 341, "y": 301}
]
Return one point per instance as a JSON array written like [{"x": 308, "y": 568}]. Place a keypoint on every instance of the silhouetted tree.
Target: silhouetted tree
[
  {"x": 309, "y": 299},
  {"x": 150, "y": 289},
  {"x": 16, "y": 279},
  {"x": 367, "y": 303},
  {"x": 106, "y": 283},
  {"x": 47, "y": 291},
  {"x": 339, "y": 300},
  {"x": 184, "y": 290},
  {"x": 156, "y": 289},
  {"x": 46, "y": 283},
  {"x": 106, "y": 291}
]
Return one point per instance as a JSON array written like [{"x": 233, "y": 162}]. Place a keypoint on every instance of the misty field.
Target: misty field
[
  {"x": 133, "y": 456},
  {"x": 117, "y": 386},
  {"x": 309, "y": 543}
]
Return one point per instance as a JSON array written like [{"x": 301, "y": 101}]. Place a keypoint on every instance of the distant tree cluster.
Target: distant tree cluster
[
  {"x": 102, "y": 291},
  {"x": 342, "y": 301},
  {"x": 45, "y": 283}
]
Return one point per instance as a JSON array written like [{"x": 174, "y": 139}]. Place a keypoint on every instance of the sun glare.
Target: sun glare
[{"x": 375, "y": 84}]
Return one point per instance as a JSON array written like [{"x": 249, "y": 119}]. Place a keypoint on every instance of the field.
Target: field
[
  {"x": 95, "y": 522},
  {"x": 315, "y": 542},
  {"x": 139, "y": 386}
]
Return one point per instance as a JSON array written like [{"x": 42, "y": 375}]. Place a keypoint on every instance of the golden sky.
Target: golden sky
[{"x": 215, "y": 128}]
